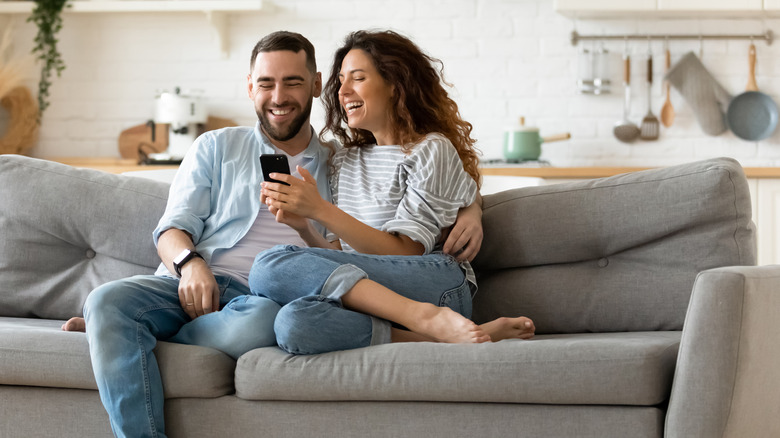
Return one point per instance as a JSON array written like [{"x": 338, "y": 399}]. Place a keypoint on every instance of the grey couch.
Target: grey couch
[{"x": 650, "y": 320}]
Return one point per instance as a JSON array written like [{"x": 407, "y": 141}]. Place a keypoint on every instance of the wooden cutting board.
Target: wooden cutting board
[{"x": 139, "y": 138}]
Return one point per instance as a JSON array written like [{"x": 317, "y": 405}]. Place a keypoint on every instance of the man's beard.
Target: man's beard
[{"x": 293, "y": 127}]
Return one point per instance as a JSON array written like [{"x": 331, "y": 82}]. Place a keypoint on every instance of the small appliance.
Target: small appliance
[{"x": 186, "y": 114}]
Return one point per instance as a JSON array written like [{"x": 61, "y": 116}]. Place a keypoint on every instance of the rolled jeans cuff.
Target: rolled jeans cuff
[
  {"x": 341, "y": 281},
  {"x": 380, "y": 331}
]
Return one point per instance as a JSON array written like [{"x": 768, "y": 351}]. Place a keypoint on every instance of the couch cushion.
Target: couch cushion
[
  {"x": 606, "y": 369},
  {"x": 35, "y": 352},
  {"x": 66, "y": 231},
  {"x": 612, "y": 254}
]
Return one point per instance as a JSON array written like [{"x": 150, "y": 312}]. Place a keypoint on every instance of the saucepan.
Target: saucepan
[
  {"x": 523, "y": 143},
  {"x": 752, "y": 115}
]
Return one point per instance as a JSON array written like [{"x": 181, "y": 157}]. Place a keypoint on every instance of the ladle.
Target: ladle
[{"x": 625, "y": 130}]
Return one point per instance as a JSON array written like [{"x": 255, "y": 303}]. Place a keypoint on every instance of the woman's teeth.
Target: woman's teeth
[{"x": 353, "y": 105}]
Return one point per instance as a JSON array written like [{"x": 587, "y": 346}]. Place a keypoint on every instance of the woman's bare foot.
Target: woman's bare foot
[
  {"x": 443, "y": 324},
  {"x": 509, "y": 328},
  {"x": 75, "y": 324}
]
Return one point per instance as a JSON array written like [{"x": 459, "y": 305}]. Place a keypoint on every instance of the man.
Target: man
[{"x": 207, "y": 239}]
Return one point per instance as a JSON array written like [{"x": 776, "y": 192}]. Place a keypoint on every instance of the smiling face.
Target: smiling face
[
  {"x": 366, "y": 97},
  {"x": 282, "y": 89}
]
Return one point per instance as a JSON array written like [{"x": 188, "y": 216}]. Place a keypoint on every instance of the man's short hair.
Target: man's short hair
[{"x": 284, "y": 40}]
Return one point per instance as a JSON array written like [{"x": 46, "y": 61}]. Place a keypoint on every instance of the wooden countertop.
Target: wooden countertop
[
  {"x": 120, "y": 165},
  {"x": 110, "y": 165}
]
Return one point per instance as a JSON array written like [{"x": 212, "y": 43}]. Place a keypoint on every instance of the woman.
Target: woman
[{"x": 407, "y": 166}]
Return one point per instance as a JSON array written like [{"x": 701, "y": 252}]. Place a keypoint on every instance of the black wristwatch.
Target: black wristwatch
[{"x": 184, "y": 257}]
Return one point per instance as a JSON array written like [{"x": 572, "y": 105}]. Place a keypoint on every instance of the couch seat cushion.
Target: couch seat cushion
[
  {"x": 35, "y": 352},
  {"x": 597, "y": 368}
]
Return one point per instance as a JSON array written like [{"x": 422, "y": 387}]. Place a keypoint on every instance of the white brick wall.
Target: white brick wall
[{"x": 506, "y": 58}]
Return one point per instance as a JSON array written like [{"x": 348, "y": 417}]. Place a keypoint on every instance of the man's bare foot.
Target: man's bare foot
[
  {"x": 75, "y": 324},
  {"x": 509, "y": 328},
  {"x": 443, "y": 324}
]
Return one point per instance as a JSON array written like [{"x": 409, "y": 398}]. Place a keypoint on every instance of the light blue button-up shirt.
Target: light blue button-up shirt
[{"x": 215, "y": 195}]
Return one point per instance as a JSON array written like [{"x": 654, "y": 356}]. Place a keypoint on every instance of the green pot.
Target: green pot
[{"x": 523, "y": 143}]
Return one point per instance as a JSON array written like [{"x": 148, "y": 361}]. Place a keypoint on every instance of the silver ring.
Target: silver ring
[{"x": 190, "y": 304}]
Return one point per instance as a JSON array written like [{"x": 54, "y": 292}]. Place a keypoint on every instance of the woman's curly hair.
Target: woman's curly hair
[{"x": 420, "y": 102}]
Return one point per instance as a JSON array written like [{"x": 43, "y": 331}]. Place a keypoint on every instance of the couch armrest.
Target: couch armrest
[{"x": 727, "y": 381}]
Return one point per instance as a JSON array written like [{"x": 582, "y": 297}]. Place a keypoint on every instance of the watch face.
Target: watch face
[{"x": 181, "y": 256}]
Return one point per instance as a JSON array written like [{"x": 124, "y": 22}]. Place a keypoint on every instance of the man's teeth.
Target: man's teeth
[{"x": 278, "y": 112}]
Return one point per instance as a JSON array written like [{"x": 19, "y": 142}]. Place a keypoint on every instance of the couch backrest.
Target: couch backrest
[
  {"x": 65, "y": 231},
  {"x": 612, "y": 254}
]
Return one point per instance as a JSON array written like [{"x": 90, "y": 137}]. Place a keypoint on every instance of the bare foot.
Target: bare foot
[
  {"x": 75, "y": 324},
  {"x": 443, "y": 324},
  {"x": 509, "y": 328}
]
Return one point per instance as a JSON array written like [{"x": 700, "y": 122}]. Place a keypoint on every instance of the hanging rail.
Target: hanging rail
[{"x": 576, "y": 37}]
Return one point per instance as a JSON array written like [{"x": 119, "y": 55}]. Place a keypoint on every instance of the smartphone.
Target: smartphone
[{"x": 271, "y": 163}]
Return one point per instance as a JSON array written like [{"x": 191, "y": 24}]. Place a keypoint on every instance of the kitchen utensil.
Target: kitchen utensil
[
  {"x": 704, "y": 94},
  {"x": 650, "y": 126},
  {"x": 625, "y": 130},
  {"x": 752, "y": 115},
  {"x": 667, "y": 110},
  {"x": 523, "y": 143}
]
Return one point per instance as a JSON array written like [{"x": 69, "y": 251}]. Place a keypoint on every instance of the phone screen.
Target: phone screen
[{"x": 271, "y": 163}]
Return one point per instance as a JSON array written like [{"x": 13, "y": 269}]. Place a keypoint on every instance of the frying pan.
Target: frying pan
[{"x": 752, "y": 115}]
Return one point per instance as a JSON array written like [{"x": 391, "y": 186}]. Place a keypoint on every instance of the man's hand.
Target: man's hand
[
  {"x": 198, "y": 290},
  {"x": 292, "y": 220},
  {"x": 464, "y": 238}
]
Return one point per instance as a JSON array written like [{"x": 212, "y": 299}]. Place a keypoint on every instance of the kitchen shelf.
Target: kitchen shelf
[{"x": 216, "y": 11}]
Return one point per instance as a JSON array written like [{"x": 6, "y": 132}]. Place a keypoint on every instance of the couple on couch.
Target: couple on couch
[{"x": 407, "y": 170}]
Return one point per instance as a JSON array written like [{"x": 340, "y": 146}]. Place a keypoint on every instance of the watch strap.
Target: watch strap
[{"x": 191, "y": 255}]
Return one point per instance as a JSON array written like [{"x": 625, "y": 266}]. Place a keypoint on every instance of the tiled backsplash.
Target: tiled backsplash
[{"x": 505, "y": 58}]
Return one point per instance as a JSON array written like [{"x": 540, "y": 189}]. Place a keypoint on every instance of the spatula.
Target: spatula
[{"x": 650, "y": 125}]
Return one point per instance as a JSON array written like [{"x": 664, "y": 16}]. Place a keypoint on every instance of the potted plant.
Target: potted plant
[{"x": 47, "y": 17}]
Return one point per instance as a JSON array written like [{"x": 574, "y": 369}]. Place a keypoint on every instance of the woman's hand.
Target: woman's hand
[
  {"x": 300, "y": 198},
  {"x": 464, "y": 237}
]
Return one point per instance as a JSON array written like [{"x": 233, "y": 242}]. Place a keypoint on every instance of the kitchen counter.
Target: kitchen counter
[
  {"x": 120, "y": 165},
  {"x": 110, "y": 165}
]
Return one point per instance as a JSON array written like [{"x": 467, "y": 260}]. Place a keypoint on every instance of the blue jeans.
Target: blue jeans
[
  {"x": 126, "y": 318},
  {"x": 309, "y": 284}
]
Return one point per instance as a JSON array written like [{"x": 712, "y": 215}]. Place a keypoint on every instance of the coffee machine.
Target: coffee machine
[{"x": 184, "y": 113}]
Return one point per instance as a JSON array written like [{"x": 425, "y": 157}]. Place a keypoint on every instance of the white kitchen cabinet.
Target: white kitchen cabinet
[
  {"x": 15, "y": 6},
  {"x": 767, "y": 210},
  {"x": 603, "y": 8},
  {"x": 710, "y": 5},
  {"x": 215, "y": 11},
  {"x": 665, "y": 8}
]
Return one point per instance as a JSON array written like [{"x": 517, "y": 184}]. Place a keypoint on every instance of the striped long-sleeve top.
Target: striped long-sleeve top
[{"x": 415, "y": 194}]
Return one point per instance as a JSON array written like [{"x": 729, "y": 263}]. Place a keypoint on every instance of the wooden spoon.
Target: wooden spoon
[{"x": 667, "y": 111}]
